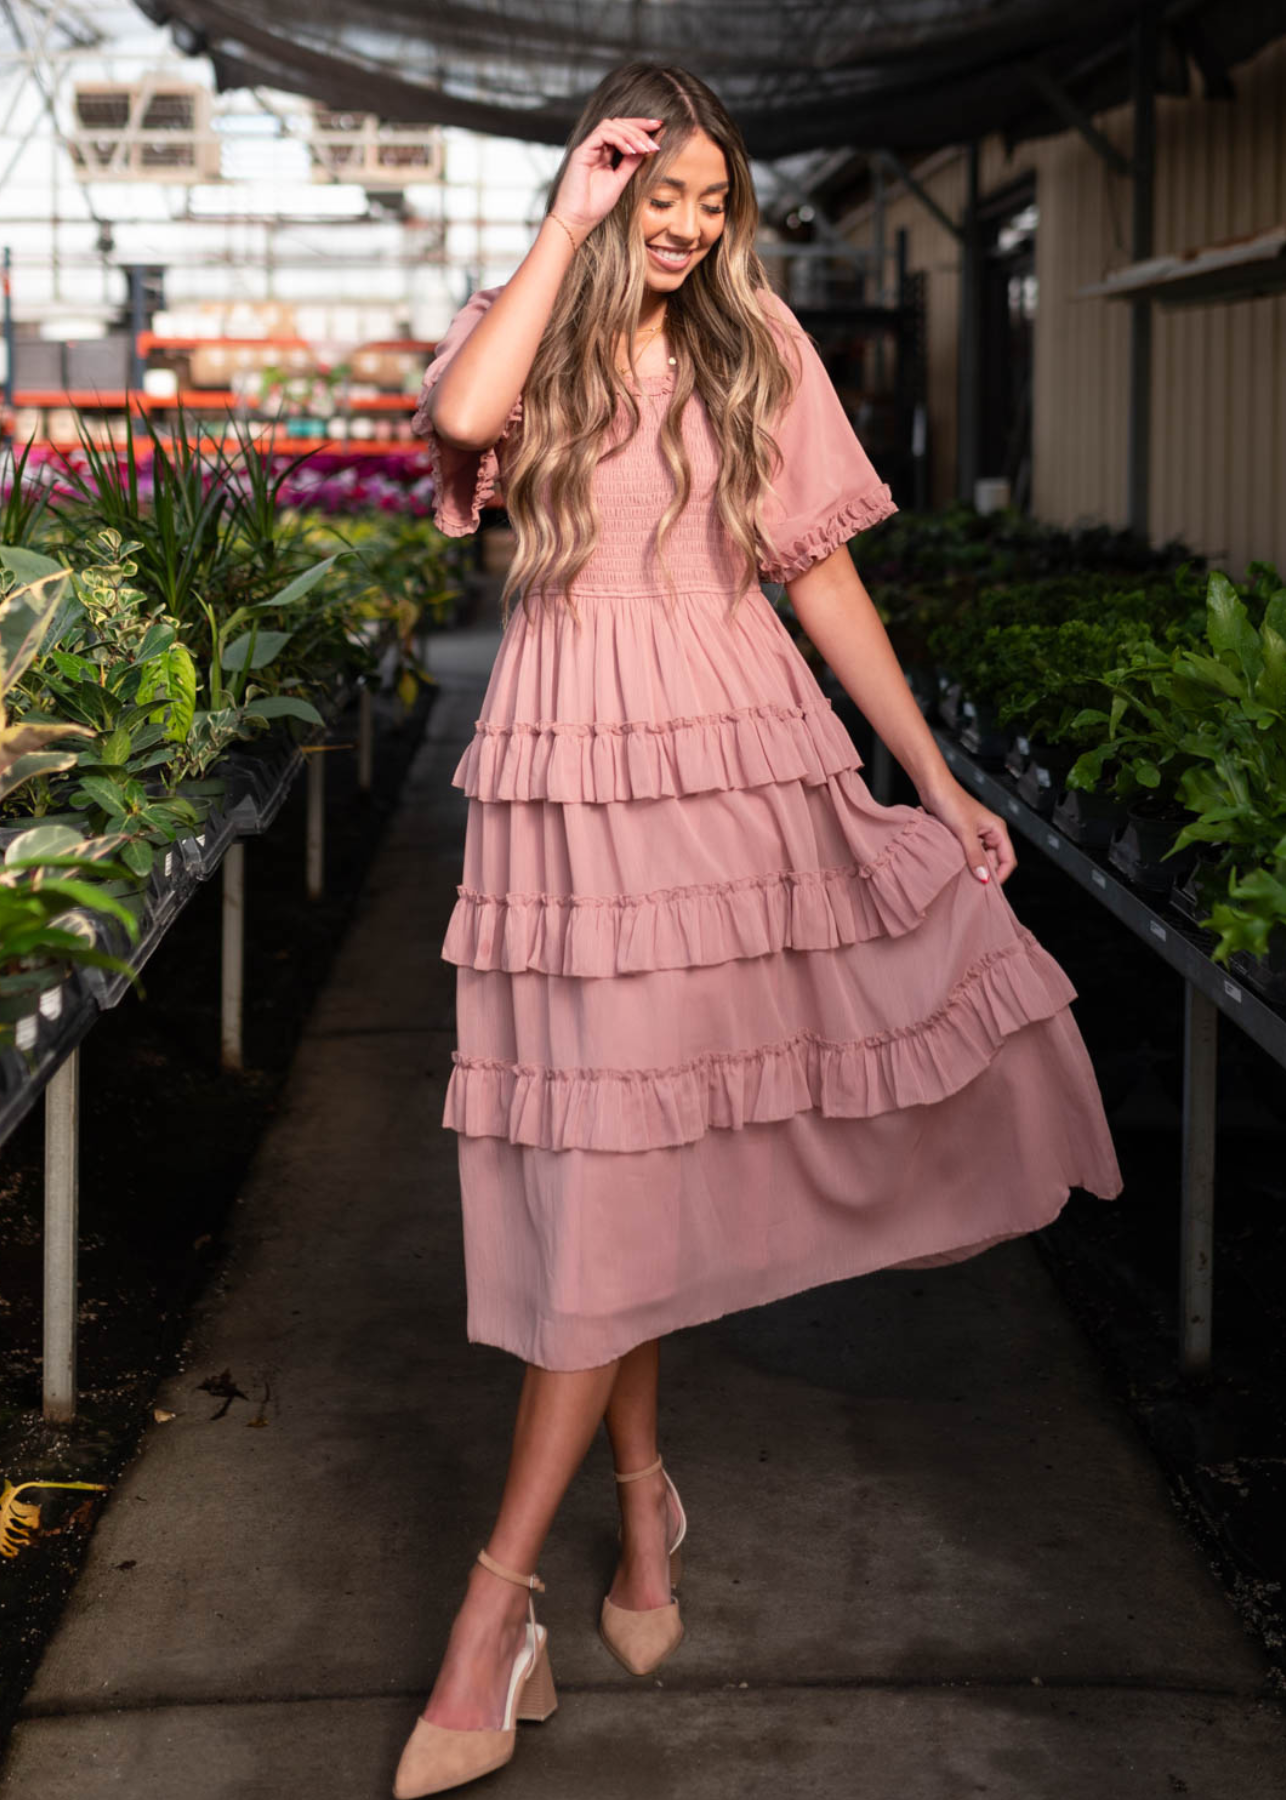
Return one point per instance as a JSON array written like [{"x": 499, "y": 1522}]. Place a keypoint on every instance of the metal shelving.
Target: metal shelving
[{"x": 1208, "y": 991}]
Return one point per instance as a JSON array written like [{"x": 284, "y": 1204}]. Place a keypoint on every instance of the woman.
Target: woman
[{"x": 727, "y": 1027}]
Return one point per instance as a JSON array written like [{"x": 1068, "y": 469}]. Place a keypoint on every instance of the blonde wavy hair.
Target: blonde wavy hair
[{"x": 720, "y": 335}]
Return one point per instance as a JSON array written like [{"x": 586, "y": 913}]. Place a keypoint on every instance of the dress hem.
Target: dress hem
[{"x": 800, "y": 1282}]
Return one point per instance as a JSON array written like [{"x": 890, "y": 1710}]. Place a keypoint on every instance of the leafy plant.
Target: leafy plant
[
  {"x": 1205, "y": 726},
  {"x": 25, "y": 614},
  {"x": 42, "y": 890},
  {"x": 1253, "y": 917}
]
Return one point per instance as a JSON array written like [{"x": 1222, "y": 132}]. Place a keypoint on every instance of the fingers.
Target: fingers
[
  {"x": 989, "y": 850},
  {"x": 630, "y": 136}
]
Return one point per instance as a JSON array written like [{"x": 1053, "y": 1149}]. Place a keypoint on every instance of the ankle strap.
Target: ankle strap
[
  {"x": 638, "y": 1474},
  {"x": 527, "y": 1581}
]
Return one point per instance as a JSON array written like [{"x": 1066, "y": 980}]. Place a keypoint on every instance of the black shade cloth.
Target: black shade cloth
[{"x": 798, "y": 75}]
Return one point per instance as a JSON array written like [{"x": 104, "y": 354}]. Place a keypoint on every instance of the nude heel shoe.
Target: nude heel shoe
[
  {"x": 641, "y": 1641},
  {"x": 437, "y": 1757}
]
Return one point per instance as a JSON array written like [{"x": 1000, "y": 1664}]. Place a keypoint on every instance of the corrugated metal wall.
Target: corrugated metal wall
[{"x": 1219, "y": 371}]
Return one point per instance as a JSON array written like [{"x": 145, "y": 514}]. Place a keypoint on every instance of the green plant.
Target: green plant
[
  {"x": 1253, "y": 917},
  {"x": 25, "y": 613},
  {"x": 1212, "y": 722},
  {"x": 23, "y": 507},
  {"x": 43, "y": 902},
  {"x": 122, "y": 674},
  {"x": 184, "y": 532}
]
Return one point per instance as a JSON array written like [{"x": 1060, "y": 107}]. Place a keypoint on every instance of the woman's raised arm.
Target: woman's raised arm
[{"x": 469, "y": 406}]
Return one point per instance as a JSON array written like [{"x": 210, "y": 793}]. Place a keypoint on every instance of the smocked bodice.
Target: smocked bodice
[{"x": 631, "y": 490}]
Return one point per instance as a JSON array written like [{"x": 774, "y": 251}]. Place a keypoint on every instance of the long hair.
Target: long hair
[{"x": 721, "y": 336}]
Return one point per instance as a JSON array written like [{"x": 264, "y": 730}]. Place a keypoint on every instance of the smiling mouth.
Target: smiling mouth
[{"x": 674, "y": 258}]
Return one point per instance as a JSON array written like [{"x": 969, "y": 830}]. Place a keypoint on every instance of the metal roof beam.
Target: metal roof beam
[
  {"x": 893, "y": 161},
  {"x": 1058, "y": 97}
]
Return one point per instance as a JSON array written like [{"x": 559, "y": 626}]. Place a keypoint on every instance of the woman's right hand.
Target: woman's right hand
[{"x": 591, "y": 185}]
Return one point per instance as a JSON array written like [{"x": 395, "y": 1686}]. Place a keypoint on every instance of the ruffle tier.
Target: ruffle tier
[
  {"x": 1008, "y": 987},
  {"x": 604, "y": 760},
  {"x": 711, "y": 922}
]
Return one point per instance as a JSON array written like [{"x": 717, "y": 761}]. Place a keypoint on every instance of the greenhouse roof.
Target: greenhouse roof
[{"x": 798, "y": 75}]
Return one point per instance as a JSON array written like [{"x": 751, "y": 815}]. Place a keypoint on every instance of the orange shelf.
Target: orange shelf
[
  {"x": 204, "y": 399},
  {"x": 195, "y": 399},
  {"x": 83, "y": 398},
  {"x": 150, "y": 340},
  {"x": 346, "y": 446}
]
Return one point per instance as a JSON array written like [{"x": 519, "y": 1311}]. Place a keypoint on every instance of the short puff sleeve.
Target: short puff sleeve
[
  {"x": 463, "y": 480},
  {"x": 826, "y": 488}
]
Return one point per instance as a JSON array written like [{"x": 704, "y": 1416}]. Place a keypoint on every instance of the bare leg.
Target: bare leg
[
  {"x": 559, "y": 1412},
  {"x": 648, "y": 1522}
]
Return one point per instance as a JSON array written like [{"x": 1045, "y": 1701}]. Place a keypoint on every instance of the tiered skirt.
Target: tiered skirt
[{"x": 727, "y": 1027}]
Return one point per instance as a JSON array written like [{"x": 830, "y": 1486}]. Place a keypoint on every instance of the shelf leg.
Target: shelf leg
[
  {"x": 881, "y": 782},
  {"x": 234, "y": 948},
  {"x": 62, "y": 1162},
  {"x": 365, "y": 738},
  {"x": 316, "y": 847},
  {"x": 1196, "y": 1231}
]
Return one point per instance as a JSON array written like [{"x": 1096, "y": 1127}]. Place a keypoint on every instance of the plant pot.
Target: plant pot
[
  {"x": 37, "y": 1007},
  {"x": 20, "y": 992},
  {"x": 1018, "y": 754},
  {"x": 949, "y": 699},
  {"x": 1137, "y": 849},
  {"x": 1266, "y": 974},
  {"x": 1047, "y": 767},
  {"x": 981, "y": 732},
  {"x": 1088, "y": 819},
  {"x": 1193, "y": 897}
]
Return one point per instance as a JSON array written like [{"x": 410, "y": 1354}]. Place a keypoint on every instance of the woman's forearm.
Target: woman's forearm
[
  {"x": 839, "y": 616},
  {"x": 469, "y": 405}
]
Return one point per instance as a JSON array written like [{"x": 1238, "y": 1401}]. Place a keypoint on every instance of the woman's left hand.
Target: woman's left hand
[{"x": 983, "y": 834}]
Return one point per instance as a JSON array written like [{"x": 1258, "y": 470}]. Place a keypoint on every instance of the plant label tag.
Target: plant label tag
[
  {"x": 1233, "y": 991},
  {"x": 24, "y": 1032},
  {"x": 1098, "y": 878},
  {"x": 51, "y": 1002},
  {"x": 1157, "y": 929}
]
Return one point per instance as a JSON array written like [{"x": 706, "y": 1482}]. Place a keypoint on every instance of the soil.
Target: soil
[{"x": 152, "y": 1215}]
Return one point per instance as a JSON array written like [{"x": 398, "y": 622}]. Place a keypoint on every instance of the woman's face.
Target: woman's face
[{"x": 684, "y": 212}]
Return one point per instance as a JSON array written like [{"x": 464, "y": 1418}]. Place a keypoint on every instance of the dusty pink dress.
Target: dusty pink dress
[{"x": 727, "y": 1027}]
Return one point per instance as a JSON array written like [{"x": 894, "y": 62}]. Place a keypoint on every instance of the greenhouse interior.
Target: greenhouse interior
[{"x": 805, "y": 689}]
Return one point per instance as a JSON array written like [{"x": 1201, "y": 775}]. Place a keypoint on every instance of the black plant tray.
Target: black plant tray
[
  {"x": 44, "y": 1039},
  {"x": 1258, "y": 972},
  {"x": 1088, "y": 819},
  {"x": 1156, "y": 876}
]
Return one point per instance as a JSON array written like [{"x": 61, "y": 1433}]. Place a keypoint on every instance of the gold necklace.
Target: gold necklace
[{"x": 651, "y": 334}]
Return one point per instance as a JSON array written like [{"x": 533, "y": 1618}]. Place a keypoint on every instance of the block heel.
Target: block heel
[
  {"x": 538, "y": 1698},
  {"x": 437, "y": 1757}
]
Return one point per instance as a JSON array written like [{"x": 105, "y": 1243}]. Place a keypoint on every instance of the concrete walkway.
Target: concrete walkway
[{"x": 927, "y": 1558}]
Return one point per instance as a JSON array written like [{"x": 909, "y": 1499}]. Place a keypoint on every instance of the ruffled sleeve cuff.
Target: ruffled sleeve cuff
[
  {"x": 463, "y": 480},
  {"x": 849, "y": 516}
]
